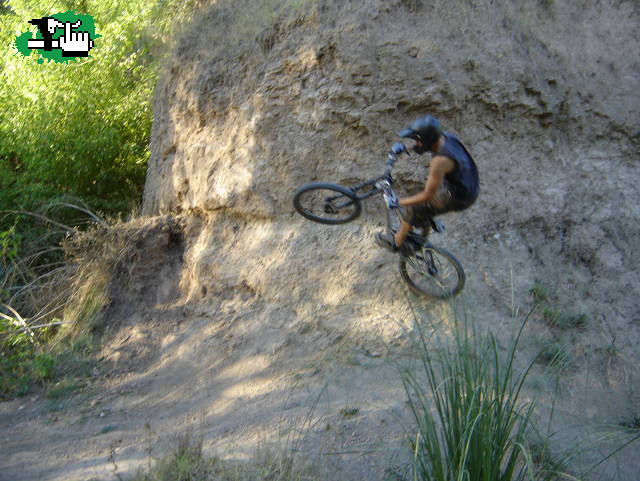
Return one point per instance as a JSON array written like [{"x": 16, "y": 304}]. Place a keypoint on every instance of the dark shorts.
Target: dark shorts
[{"x": 444, "y": 201}]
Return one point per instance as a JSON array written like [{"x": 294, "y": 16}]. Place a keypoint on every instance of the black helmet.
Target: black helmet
[{"x": 425, "y": 129}]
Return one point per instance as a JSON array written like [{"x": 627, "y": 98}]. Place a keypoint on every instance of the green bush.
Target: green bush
[{"x": 43, "y": 367}]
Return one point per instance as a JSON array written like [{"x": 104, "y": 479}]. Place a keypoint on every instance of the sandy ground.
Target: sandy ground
[{"x": 244, "y": 369}]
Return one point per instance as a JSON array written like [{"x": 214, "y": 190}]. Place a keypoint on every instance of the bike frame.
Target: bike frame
[
  {"x": 370, "y": 183},
  {"x": 376, "y": 184}
]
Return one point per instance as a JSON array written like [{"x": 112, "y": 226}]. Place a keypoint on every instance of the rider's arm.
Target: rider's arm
[{"x": 440, "y": 166}]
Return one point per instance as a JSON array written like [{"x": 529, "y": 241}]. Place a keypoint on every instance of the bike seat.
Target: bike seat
[{"x": 437, "y": 226}]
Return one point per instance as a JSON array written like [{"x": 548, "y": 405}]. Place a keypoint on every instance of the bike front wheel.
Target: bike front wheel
[
  {"x": 327, "y": 203},
  {"x": 432, "y": 271}
]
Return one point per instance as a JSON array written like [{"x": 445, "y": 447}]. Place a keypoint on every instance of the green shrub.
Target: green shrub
[
  {"x": 74, "y": 139},
  {"x": 43, "y": 367},
  {"x": 471, "y": 421}
]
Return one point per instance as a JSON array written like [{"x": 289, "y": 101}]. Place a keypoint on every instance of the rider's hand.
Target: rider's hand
[{"x": 398, "y": 148}]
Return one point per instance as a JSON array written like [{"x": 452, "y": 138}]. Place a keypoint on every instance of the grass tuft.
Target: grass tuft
[
  {"x": 540, "y": 292},
  {"x": 349, "y": 412},
  {"x": 564, "y": 320},
  {"x": 552, "y": 313},
  {"x": 188, "y": 462},
  {"x": 555, "y": 355},
  {"x": 63, "y": 388},
  {"x": 472, "y": 424},
  {"x": 632, "y": 423}
]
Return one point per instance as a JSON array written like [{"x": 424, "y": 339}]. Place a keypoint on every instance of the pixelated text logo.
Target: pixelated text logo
[{"x": 61, "y": 37}]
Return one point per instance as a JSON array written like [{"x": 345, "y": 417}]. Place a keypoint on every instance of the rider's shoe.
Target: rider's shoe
[
  {"x": 386, "y": 241},
  {"x": 437, "y": 225}
]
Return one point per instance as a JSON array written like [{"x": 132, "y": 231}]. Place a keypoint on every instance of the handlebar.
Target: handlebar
[{"x": 399, "y": 148}]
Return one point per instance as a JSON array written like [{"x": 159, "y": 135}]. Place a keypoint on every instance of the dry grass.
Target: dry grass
[
  {"x": 188, "y": 462},
  {"x": 53, "y": 294},
  {"x": 95, "y": 255}
]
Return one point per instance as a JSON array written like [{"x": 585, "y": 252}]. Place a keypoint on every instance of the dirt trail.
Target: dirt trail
[
  {"x": 242, "y": 372},
  {"x": 245, "y": 372}
]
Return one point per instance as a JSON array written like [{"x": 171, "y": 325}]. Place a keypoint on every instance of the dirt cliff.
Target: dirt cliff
[
  {"x": 260, "y": 98},
  {"x": 235, "y": 298}
]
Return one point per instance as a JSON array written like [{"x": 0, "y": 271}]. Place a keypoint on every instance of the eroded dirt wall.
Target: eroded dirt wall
[{"x": 262, "y": 97}]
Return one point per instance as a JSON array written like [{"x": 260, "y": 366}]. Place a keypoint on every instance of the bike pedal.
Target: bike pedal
[
  {"x": 411, "y": 246},
  {"x": 437, "y": 225}
]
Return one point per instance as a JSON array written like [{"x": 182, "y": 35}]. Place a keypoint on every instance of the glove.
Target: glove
[{"x": 398, "y": 148}]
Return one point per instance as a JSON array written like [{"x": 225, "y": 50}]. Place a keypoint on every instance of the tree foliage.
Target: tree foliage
[
  {"x": 76, "y": 130},
  {"x": 80, "y": 129}
]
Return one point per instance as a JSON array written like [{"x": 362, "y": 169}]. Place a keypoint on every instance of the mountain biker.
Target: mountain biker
[{"x": 452, "y": 183}]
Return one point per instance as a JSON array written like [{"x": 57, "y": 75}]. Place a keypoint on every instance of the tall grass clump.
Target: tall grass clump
[{"x": 472, "y": 421}]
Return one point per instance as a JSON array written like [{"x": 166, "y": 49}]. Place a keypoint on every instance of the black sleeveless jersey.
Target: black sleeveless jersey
[{"x": 463, "y": 182}]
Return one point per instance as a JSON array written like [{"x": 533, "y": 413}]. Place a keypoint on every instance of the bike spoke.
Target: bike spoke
[
  {"x": 422, "y": 275},
  {"x": 317, "y": 203},
  {"x": 431, "y": 273}
]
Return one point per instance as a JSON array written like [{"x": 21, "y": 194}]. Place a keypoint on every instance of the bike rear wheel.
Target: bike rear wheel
[
  {"x": 327, "y": 203},
  {"x": 432, "y": 271}
]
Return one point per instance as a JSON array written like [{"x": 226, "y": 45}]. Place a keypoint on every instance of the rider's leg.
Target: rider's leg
[
  {"x": 422, "y": 214},
  {"x": 403, "y": 232}
]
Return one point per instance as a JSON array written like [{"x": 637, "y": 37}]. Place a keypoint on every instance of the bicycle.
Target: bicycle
[{"x": 427, "y": 269}]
